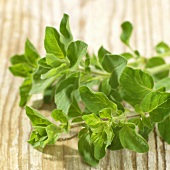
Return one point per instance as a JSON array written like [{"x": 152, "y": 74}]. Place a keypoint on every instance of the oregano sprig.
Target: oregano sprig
[{"x": 116, "y": 100}]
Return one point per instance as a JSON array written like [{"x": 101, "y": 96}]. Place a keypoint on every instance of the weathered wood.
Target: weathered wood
[{"x": 97, "y": 22}]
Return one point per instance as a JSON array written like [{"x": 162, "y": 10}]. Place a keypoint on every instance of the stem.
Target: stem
[
  {"x": 159, "y": 69},
  {"x": 78, "y": 125},
  {"x": 133, "y": 51},
  {"x": 68, "y": 138},
  {"x": 95, "y": 72},
  {"x": 165, "y": 55},
  {"x": 133, "y": 116}
]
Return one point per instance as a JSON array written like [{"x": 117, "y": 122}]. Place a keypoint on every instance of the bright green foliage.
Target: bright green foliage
[
  {"x": 163, "y": 83},
  {"x": 127, "y": 29},
  {"x": 99, "y": 100},
  {"x": 130, "y": 139},
  {"x": 135, "y": 85},
  {"x": 52, "y": 61},
  {"x": 101, "y": 53},
  {"x": 157, "y": 61},
  {"x": 101, "y": 136},
  {"x": 105, "y": 87},
  {"x": 52, "y": 43},
  {"x": 74, "y": 109},
  {"x": 31, "y": 54},
  {"x": 44, "y": 131},
  {"x": 58, "y": 115},
  {"x": 86, "y": 149},
  {"x": 115, "y": 65},
  {"x": 65, "y": 91},
  {"x": 75, "y": 52},
  {"x": 24, "y": 66},
  {"x": 156, "y": 103},
  {"x": 66, "y": 35},
  {"x": 24, "y": 91},
  {"x": 164, "y": 129},
  {"x": 127, "y": 56},
  {"x": 117, "y": 100},
  {"x": 39, "y": 84},
  {"x": 162, "y": 48},
  {"x": 116, "y": 144}
]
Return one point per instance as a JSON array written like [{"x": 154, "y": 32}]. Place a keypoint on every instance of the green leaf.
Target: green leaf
[
  {"x": 24, "y": 91},
  {"x": 17, "y": 59},
  {"x": 162, "y": 48},
  {"x": 157, "y": 61},
  {"x": 82, "y": 132},
  {"x": 130, "y": 139},
  {"x": 86, "y": 149},
  {"x": 42, "y": 62},
  {"x": 106, "y": 113},
  {"x": 53, "y": 133},
  {"x": 31, "y": 53},
  {"x": 52, "y": 43},
  {"x": 75, "y": 52},
  {"x": 114, "y": 64},
  {"x": 87, "y": 60},
  {"x": 99, "y": 100},
  {"x": 127, "y": 56},
  {"x": 74, "y": 109},
  {"x": 135, "y": 85},
  {"x": 153, "y": 100},
  {"x": 127, "y": 29},
  {"x": 116, "y": 144},
  {"x": 65, "y": 92},
  {"x": 163, "y": 83},
  {"x": 48, "y": 95},
  {"x": 145, "y": 132},
  {"x": 164, "y": 129},
  {"x": 77, "y": 119},
  {"x": 93, "y": 121},
  {"x": 36, "y": 118},
  {"x": 156, "y": 103},
  {"x": 136, "y": 53},
  {"x": 53, "y": 61},
  {"x": 54, "y": 71},
  {"x": 95, "y": 62},
  {"x": 147, "y": 122},
  {"x": 59, "y": 115},
  {"x": 99, "y": 145},
  {"x": 102, "y": 134},
  {"x": 66, "y": 35},
  {"x": 41, "y": 136},
  {"x": 21, "y": 70},
  {"x": 37, "y": 138},
  {"x": 40, "y": 85},
  {"x": 101, "y": 53},
  {"x": 115, "y": 95},
  {"x": 105, "y": 87}
]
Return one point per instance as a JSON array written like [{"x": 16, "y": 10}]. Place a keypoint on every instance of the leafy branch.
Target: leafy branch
[{"x": 116, "y": 100}]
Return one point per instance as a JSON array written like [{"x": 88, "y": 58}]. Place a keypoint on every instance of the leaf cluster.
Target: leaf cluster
[{"x": 115, "y": 99}]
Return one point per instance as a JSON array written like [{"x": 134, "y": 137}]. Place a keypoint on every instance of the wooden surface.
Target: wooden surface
[{"x": 96, "y": 22}]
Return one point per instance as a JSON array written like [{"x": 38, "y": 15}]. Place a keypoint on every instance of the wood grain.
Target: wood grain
[{"x": 97, "y": 22}]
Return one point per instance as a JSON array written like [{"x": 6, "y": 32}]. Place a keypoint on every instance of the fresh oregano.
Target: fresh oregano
[{"x": 115, "y": 99}]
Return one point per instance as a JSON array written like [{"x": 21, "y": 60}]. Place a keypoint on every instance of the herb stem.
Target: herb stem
[
  {"x": 159, "y": 69},
  {"x": 133, "y": 116},
  {"x": 78, "y": 125},
  {"x": 68, "y": 138},
  {"x": 165, "y": 55},
  {"x": 95, "y": 72}
]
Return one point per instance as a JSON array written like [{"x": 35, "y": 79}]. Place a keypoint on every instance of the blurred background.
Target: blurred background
[{"x": 97, "y": 22}]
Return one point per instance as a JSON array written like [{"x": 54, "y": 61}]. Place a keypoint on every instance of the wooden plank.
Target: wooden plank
[{"x": 97, "y": 23}]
